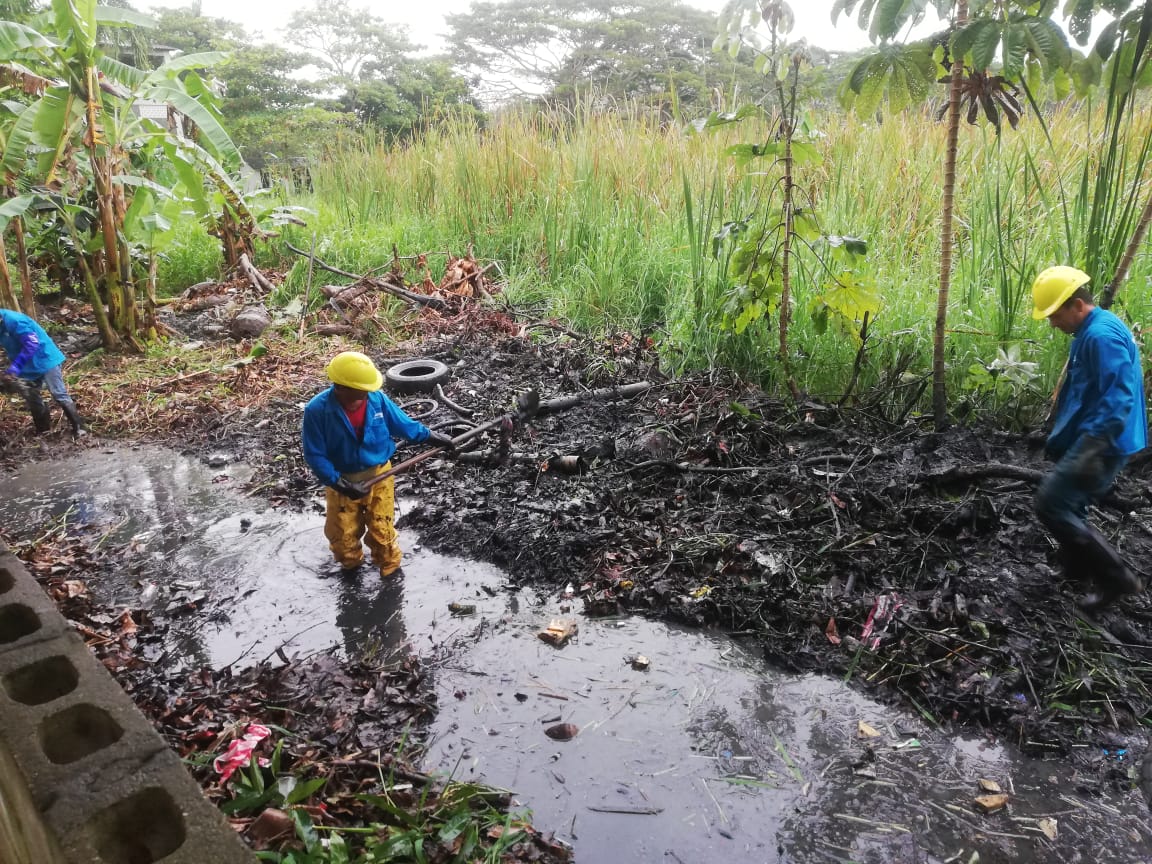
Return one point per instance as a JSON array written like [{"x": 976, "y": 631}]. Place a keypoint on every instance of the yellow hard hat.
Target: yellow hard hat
[
  {"x": 1053, "y": 286},
  {"x": 355, "y": 370}
]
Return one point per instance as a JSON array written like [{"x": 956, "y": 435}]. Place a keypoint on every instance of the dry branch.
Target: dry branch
[
  {"x": 258, "y": 280},
  {"x": 380, "y": 284}
]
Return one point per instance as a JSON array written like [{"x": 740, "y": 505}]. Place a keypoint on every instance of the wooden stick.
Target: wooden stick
[
  {"x": 307, "y": 290},
  {"x": 259, "y": 282}
]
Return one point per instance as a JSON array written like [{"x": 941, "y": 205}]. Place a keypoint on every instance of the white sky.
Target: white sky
[{"x": 425, "y": 18}]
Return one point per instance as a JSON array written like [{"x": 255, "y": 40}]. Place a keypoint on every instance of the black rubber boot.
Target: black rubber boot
[
  {"x": 73, "y": 416},
  {"x": 41, "y": 416},
  {"x": 1110, "y": 574}
]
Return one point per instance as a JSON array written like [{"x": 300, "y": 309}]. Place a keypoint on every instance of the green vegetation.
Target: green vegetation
[
  {"x": 695, "y": 189},
  {"x": 609, "y": 218}
]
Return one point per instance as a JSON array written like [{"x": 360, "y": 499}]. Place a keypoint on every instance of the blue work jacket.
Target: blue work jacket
[
  {"x": 1103, "y": 393},
  {"x": 28, "y": 359},
  {"x": 331, "y": 447}
]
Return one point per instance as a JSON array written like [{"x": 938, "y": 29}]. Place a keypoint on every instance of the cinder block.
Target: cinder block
[
  {"x": 92, "y": 734},
  {"x": 104, "y": 784},
  {"x": 27, "y": 614},
  {"x": 156, "y": 814}
]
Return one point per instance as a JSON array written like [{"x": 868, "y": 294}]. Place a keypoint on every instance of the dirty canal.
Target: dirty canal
[{"x": 707, "y": 754}]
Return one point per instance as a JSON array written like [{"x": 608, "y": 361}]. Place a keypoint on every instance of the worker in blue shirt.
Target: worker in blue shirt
[
  {"x": 34, "y": 362},
  {"x": 347, "y": 436},
  {"x": 1100, "y": 421}
]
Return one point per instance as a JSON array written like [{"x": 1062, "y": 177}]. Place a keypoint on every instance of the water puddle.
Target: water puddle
[{"x": 708, "y": 755}]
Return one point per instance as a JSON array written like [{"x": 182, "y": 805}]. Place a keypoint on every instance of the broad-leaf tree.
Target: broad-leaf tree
[
  {"x": 766, "y": 257},
  {"x": 653, "y": 51},
  {"x": 373, "y": 68}
]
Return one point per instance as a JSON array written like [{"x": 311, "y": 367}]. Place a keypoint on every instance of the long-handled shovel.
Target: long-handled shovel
[{"x": 527, "y": 404}]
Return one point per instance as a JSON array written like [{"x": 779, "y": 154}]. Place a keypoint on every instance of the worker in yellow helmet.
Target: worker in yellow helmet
[
  {"x": 348, "y": 439},
  {"x": 1101, "y": 420}
]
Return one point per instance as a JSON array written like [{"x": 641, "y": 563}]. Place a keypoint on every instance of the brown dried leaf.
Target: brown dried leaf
[
  {"x": 268, "y": 827},
  {"x": 991, "y": 803}
]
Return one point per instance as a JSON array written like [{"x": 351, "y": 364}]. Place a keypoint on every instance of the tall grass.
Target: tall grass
[{"x": 607, "y": 218}]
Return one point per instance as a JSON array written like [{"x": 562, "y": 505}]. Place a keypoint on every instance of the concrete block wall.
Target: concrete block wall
[{"x": 84, "y": 778}]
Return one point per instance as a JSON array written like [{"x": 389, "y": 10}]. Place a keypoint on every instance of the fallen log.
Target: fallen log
[
  {"x": 988, "y": 470},
  {"x": 609, "y": 394},
  {"x": 984, "y": 471},
  {"x": 379, "y": 284},
  {"x": 199, "y": 304}
]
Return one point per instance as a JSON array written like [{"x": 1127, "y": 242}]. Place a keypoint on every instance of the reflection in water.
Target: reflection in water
[
  {"x": 708, "y": 756},
  {"x": 370, "y": 612}
]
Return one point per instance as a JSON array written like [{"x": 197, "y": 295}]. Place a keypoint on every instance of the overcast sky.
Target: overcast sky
[{"x": 425, "y": 18}]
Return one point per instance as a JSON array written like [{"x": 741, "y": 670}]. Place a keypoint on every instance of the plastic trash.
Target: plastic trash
[{"x": 239, "y": 752}]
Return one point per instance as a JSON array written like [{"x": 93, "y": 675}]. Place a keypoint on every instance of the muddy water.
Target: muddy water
[{"x": 706, "y": 756}]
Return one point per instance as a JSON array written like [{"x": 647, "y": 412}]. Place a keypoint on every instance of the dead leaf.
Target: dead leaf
[
  {"x": 989, "y": 785},
  {"x": 1048, "y": 826},
  {"x": 863, "y": 730},
  {"x": 991, "y": 803},
  {"x": 268, "y": 827},
  {"x": 127, "y": 625},
  {"x": 75, "y": 588},
  {"x": 831, "y": 632},
  {"x": 562, "y": 731}
]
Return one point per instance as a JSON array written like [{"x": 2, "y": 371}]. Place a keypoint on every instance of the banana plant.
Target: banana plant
[
  {"x": 9, "y": 110},
  {"x": 1018, "y": 36},
  {"x": 71, "y": 216},
  {"x": 79, "y": 136}
]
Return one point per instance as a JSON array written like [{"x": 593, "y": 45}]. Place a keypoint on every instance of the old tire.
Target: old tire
[{"x": 416, "y": 376}]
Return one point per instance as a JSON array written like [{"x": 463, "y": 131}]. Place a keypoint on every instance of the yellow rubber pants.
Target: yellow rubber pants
[{"x": 347, "y": 521}]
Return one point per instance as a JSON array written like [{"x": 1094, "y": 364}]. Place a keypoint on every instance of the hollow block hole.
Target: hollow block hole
[
  {"x": 140, "y": 829},
  {"x": 16, "y": 622},
  {"x": 42, "y": 681},
  {"x": 77, "y": 731},
  {"x": 7, "y": 580}
]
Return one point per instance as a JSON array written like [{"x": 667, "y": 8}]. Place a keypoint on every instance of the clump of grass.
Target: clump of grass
[
  {"x": 608, "y": 217},
  {"x": 192, "y": 257}
]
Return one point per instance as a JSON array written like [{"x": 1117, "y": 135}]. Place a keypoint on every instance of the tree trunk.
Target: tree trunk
[
  {"x": 29, "y": 296},
  {"x": 788, "y": 116},
  {"x": 939, "y": 393},
  {"x": 150, "y": 298},
  {"x": 1129, "y": 256},
  {"x": 108, "y": 336},
  {"x": 107, "y": 216},
  {"x": 7, "y": 298},
  {"x": 131, "y": 323}
]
